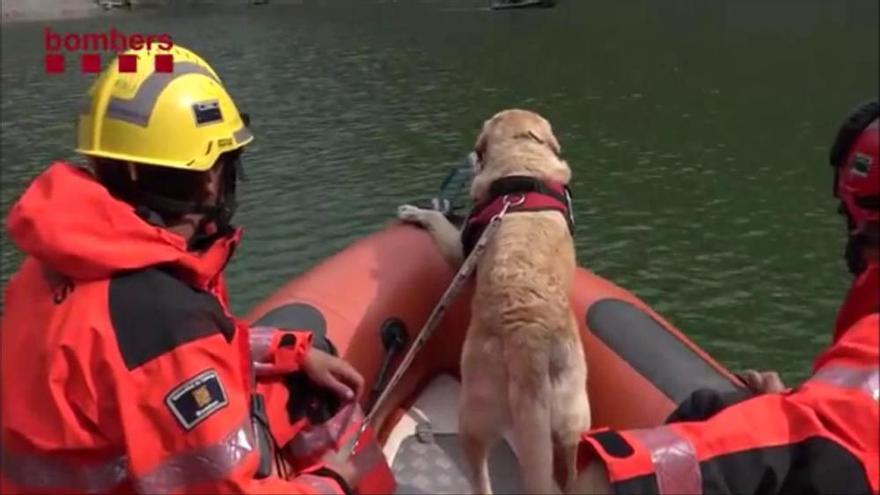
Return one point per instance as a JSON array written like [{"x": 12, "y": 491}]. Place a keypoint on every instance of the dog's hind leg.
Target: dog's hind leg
[
  {"x": 476, "y": 451},
  {"x": 483, "y": 414},
  {"x": 529, "y": 392},
  {"x": 571, "y": 408}
]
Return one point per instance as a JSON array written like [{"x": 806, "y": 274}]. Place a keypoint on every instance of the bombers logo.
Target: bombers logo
[{"x": 89, "y": 47}]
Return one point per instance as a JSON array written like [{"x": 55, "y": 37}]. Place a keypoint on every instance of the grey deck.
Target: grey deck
[{"x": 434, "y": 465}]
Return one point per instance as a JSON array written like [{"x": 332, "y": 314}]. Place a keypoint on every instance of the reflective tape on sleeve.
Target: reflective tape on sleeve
[{"x": 674, "y": 458}]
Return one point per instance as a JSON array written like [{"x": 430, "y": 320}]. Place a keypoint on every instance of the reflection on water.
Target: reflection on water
[{"x": 698, "y": 133}]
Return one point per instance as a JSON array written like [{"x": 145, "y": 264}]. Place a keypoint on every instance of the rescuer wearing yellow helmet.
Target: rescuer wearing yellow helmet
[
  {"x": 147, "y": 132},
  {"x": 145, "y": 381}
]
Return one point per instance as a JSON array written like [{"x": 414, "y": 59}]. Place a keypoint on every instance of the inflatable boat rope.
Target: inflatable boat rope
[{"x": 464, "y": 273}]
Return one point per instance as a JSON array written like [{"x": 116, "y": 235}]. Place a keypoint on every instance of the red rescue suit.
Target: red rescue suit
[
  {"x": 821, "y": 437},
  {"x": 123, "y": 369}
]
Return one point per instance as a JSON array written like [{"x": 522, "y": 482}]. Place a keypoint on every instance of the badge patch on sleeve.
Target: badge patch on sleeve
[{"x": 197, "y": 398}]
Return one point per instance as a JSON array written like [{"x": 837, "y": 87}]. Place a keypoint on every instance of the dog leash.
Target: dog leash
[{"x": 458, "y": 282}]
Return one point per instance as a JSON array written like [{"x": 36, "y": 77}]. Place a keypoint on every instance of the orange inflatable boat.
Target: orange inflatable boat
[{"x": 372, "y": 298}]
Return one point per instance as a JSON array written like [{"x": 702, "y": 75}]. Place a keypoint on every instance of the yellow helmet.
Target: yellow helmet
[{"x": 183, "y": 119}]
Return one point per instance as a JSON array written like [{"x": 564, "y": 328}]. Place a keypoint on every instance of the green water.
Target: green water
[{"x": 698, "y": 133}]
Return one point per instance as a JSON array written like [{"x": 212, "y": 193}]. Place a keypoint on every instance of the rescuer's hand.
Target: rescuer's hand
[
  {"x": 763, "y": 382},
  {"x": 336, "y": 374}
]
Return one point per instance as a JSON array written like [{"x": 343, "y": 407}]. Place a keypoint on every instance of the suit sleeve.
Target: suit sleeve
[
  {"x": 819, "y": 438},
  {"x": 185, "y": 399}
]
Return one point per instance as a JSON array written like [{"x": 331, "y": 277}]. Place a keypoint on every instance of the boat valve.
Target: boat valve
[{"x": 394, "y": 339}]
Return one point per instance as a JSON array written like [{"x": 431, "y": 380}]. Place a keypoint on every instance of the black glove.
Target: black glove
[{"x": 705, "y": 403}]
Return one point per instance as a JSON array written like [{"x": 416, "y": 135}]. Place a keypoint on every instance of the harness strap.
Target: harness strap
[
  {"x": 537, "y": 196},
  {"x": 524, "y": 184}
]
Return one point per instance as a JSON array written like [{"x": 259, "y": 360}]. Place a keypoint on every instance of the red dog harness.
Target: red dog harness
[{"x": 536, "y": 196}]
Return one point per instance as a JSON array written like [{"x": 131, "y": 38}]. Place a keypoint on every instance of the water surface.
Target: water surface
[{"x": 698, "y": 134}]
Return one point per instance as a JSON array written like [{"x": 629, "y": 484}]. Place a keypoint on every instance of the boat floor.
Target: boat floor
[{"x": 424, "y": 450}]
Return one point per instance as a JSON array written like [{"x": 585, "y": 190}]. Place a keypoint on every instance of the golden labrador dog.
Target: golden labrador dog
[{"x": 522, "y": 366}]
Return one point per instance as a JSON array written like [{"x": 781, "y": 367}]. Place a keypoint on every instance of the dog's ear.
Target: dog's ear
[
  {"x": 476, "y": 163},
  {"x": 480, "y": 145},
  {"x": 547, "y": 138}
]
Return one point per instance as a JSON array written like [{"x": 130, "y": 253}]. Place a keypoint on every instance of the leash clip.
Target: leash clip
[
  {"x": 509, "y": 204},
  {"x": 519, "y": 201}
]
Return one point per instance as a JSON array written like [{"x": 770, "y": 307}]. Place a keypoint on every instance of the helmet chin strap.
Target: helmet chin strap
[
  {"x": 218, "y": 216},
  {"x": 202, "y": 239}
]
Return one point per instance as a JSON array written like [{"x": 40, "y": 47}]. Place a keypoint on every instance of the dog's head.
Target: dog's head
[
  {"x": 516, "y": 142},
  {"x": 514, "y": 124}
]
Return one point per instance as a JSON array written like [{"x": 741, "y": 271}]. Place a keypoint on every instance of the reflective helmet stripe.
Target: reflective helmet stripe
[{"x": 139, "y": 109}]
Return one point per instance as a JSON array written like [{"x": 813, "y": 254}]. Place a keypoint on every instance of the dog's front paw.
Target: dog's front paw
[{"x": 411, "y": 214}]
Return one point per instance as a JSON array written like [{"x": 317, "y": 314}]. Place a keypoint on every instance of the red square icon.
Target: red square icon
[
  {"x": 54, "y": 63},
  {"x": 90, "y": 63},
  {"x": 164, "y": 63},
  {"x": 128, "y": 63}
]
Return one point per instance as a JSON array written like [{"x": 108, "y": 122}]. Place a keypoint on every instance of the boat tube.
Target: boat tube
[{"x": 370, "y": 300}]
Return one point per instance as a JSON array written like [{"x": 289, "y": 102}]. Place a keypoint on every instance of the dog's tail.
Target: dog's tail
[{"x": 531, "y": 413}]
